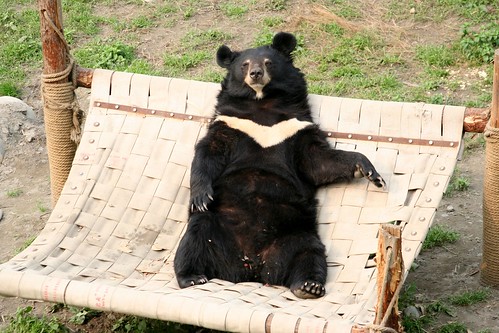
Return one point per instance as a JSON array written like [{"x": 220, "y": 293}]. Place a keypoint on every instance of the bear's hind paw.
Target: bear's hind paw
[
  {"x": 309, "y": 289},
  {"x": 191, "y": 280}
]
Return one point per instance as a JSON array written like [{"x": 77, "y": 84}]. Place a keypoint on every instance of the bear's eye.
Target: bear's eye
[
  {"x": 268, "y": 62},
  {"x": 245, "y": 64}
]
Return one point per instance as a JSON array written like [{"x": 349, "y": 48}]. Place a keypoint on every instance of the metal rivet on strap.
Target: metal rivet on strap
[
  {"x": 190, "y": 117},
  {"x": 74, "y": 187},
  {"x": 91, "y": 140},
  {"x": 96, "y": 124},
  {"x": 428, "y": 199},
  {"x": 134, "y": 109},
  {"x": 436, "y": 183},
  {"x": 369, "y": 137},
  {"x": 98, "y": 104},
  {"x": 407, "y": 249},
  {"x": 430, "y": 142},
  {"x": 414, "y": 233},
  {"x": 410, "y": 140},
  {"x": 442, "y": 168},
  {"x": 85, "y": 157},
  {"x": 390, "y": 139},
  {"x": 172, "y": 114},
  {"x": 116, "y": 106},
  {"x": 422, "y": 218},
  {"x": 452, "y": 144},
  {"x": 329, "y": 133},
  {"x": 153, "y": 111},
  {"x": 349, "y": 136}
]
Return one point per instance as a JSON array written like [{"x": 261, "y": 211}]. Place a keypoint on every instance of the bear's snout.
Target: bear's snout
[{"x": 256, "y": 72}]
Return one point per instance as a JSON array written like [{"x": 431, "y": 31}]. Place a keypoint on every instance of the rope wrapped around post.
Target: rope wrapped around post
[
  {"x": 490, "y": 260},
  {"x": 62, "y": 117}
]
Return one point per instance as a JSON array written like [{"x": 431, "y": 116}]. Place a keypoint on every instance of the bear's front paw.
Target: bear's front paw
[
  {"x": 308, "y": 289},
  {"x": 191, "y": 280},
  {"x": 200, "y": 202},
  {"x": 368, "y": 171}
]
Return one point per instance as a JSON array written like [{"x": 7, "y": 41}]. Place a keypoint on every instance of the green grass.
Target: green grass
[
  {"x": 25, "y": 245},
  {"x": 457, "y": 183},
  {"x": 14, "y": 193},
  {"x": 24, "y": 321},
  {"x": 468, "y": 298},
  {"x": 439, "y": 236}
]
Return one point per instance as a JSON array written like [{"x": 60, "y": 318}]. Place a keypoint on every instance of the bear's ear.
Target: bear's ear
[
  {"x": 284, "y": 42},
  {"x": 225, "y": 56}
]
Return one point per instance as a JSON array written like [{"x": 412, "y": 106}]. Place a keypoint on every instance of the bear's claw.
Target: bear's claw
[
  {"x": 201, "y": 202},
  {"x": 309, "y": 289},
  {"x": 372, "y": 175},
  {"x": 192, "y": 280}
]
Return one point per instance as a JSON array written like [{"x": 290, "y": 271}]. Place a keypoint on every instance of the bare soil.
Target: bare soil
[{"x": 440, "y": 272}]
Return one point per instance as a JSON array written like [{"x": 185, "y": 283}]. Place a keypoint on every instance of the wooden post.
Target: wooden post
[
  {"x": 494, "y": 112},
  {"x": 390, "y": 274},
  {"x": 60, "y": 108},
  {"x": 490, "y": 258},
  {"x": 55, "y": 57}
]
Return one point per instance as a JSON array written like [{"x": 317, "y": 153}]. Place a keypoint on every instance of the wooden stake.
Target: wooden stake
[
  {"x": 494, "y": 112},
  {"x": 390, "y": 274},
  {"x": 55, "y": 57}
]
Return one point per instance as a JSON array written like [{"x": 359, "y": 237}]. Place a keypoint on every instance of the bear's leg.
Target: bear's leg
[
  {"x": 206, "y": 251},
  {"x": 298, "y": 262}
]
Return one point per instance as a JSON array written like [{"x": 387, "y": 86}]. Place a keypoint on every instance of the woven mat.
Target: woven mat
[{"x": 110, "y": 240}]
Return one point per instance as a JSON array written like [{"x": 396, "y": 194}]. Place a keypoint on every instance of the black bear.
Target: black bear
[{"x": 254, "y": 178}]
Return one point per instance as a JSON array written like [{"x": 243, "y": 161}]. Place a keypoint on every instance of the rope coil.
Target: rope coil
[
  {"x": 62, "y": 116},
  {"x": 490, "y": 257}
]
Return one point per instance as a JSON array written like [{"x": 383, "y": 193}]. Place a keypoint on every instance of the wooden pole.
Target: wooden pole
[
  {"x": 390, "y": 276},
  {"x": 60, "y": 109},
  {"x": 494, "y": 112},
  {"x": 490, "y": 255},
  {"x": 55, "y": 57}
]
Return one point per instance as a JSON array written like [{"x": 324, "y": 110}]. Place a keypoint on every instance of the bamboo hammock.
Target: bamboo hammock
[{"x": 122, "y": 207}]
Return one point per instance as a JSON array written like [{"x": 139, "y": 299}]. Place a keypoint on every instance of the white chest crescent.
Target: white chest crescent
[{"x": 266, "y": 136}]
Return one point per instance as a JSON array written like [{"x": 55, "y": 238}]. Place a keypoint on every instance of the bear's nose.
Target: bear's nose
[{"x": 256, "y": 73}]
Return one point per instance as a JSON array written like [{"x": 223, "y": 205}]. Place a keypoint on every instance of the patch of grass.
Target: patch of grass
[
  {"x": 204, "y": 38},
  {"x": 273, "y": 21},
  {"x": 14, "y": 193},
  {"x": 41, "y": 207},
  {"x": 468, "y": 298},
  {"x": 233, "y": 10},
  {"x": 141, "y": 22},
  {"x": 177, "y": 63},
  {"x": 452, "y": 328},
  {"x": 439, "y": 236},
  {"x": 479, "y": 46},
  {"x": 9, "y": 89},
  {"x": 109, "y": 54},
  {"x": 24, "y": 321},
  {"x": 457, "y": 183},
  {"x": 25, "y": 245},
  {"x": 435, "y": 55},
  {"x": 276, "y": 5},
  {"x": 82, "y": 315}
]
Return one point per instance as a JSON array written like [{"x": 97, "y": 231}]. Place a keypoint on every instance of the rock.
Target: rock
[
  {"x": 412, "y": 312},
  {"x": 450, "y": 209},
  {"x": 1, "y": 215},
  {"x": 12, "y": 104},
  {"x": 413, "y": 10}
]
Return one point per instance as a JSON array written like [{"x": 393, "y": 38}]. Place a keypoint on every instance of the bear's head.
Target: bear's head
[{"x": 262, "y": 72}]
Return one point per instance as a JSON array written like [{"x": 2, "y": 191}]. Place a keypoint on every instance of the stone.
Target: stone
[{"x": 12, "y": 104}]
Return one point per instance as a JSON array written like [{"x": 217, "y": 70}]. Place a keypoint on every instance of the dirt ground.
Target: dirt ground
[{"x": 440, "y": 272}]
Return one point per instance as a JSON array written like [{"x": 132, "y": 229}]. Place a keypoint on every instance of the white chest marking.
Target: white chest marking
[{"x": 266, "y": 136}]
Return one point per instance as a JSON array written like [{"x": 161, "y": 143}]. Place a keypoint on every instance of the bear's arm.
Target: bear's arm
[
  {"x": 323, "y": 165},
  {"x": 210, "y": 159}
]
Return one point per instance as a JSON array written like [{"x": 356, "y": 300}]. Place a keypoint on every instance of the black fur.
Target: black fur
[{"x": 253, "y": 208}]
